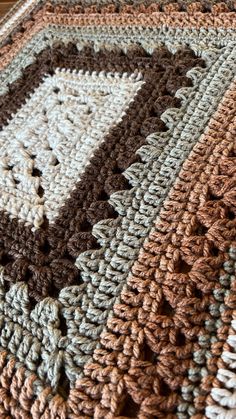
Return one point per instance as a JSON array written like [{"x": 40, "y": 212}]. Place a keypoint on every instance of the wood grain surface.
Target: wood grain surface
[{"x": 5, "y": 6}]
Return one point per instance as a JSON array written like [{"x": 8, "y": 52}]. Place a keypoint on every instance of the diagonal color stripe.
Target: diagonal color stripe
[{"x": 158, "y": 332}]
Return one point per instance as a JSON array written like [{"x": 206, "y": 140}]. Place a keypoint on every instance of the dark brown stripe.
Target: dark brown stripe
[{"x": 45, "y": 259}]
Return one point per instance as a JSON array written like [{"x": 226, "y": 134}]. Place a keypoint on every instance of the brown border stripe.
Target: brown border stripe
[
  {"x": 20, "y": 401},
  {"x": 149, "y": 350},
  {"x": 41, "y": 257},
  {"x": 193, "y": 19}
]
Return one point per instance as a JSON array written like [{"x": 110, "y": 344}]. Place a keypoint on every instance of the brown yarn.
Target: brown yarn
[
  {"x": 40, "y": 258},
  {"x": 154, "y": 347},
  {"x": 148, "y": 348},
  {"x": 171, "y": 14}
]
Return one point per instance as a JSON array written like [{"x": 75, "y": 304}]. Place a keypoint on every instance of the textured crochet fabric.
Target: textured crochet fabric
[{"x": 118, "y": 210}]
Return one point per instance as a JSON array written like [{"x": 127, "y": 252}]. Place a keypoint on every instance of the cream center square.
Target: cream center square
[{"x": 48, "y": 143}]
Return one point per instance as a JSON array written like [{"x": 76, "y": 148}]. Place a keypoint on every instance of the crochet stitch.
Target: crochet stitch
[{"x": 118, "y": 209}]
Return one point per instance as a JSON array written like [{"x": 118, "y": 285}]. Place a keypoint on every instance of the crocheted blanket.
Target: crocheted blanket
[{"x": 118, "y": 210}]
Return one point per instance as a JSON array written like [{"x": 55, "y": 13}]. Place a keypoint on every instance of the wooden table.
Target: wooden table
[{"x": 5, "y": 6}]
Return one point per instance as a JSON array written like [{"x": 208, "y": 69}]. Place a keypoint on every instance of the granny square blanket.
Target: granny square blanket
[{"x": 118, "y": 210}]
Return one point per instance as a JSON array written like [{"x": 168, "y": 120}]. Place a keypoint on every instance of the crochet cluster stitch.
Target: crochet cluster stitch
[{"x": 118, "y": 209}]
